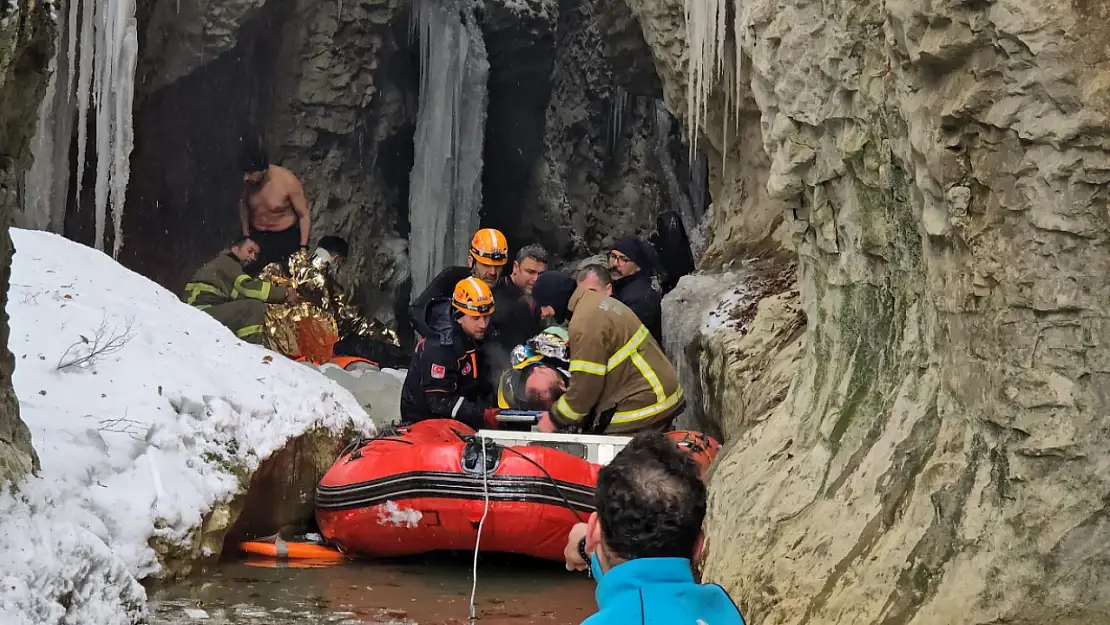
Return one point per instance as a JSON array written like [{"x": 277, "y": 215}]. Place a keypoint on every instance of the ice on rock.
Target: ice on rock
[
  {"x": 446, "y": 185},
  {"x": 95, "y": 75}
]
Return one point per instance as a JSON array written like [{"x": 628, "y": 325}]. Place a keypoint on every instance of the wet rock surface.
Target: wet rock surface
[
  {"x": 736, "y": 339},
  {"x": 939, "y": 456},
  {"x": 598, "y": 178},
  {"x": 27, "y": 32}
]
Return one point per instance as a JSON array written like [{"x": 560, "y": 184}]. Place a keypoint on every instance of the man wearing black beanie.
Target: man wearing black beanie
[
  {"x": 552, "y": 292},
  {"x": 631, "y": 263}
]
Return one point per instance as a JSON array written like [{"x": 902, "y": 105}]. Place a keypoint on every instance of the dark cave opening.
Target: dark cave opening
[{"x": 521, "y": 56}]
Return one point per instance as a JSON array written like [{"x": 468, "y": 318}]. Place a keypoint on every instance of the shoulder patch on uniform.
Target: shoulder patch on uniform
[{"x": 439, "y": 372}]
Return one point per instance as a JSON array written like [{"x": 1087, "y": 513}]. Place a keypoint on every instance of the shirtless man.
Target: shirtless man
[{"x": 273, "y": 211}]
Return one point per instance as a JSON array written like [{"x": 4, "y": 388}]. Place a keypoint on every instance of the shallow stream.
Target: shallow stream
[{"x": 426, "y": 592}]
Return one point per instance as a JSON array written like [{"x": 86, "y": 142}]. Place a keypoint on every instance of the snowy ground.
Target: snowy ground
[{"x": 131, "y": 440}]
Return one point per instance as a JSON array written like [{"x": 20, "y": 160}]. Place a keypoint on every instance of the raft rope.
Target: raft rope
[
  {"x": 550, "y": 478},
  {"x": 478, "y": 539}
]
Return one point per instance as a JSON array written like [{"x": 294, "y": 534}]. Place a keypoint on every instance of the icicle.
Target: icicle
[
  {"x": 124, "y": 143},
  {"x": 707, "y": 29},
  {"x": 84, "y": 84},
  {"x": 618, "y": 104},
  {"x": 46, "y": 183},
  {"x": 446, "y": 185},
  {"x": 108, "y": 74}
]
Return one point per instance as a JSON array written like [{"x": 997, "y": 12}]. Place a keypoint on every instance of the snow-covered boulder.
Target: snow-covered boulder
[{"x": 150, "y": 419}]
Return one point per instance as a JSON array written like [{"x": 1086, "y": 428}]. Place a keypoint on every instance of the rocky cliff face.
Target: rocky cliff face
[
  {"x": 27, "y": 29},
  {"x": 598, "y": 176},
  {"x": 571, "y": 138},
  {"x": 940, "y": 455},
  {"x": 330, "y": 88}
]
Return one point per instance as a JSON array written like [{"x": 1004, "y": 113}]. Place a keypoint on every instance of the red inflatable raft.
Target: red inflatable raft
[{"x": 419, "y": 488}]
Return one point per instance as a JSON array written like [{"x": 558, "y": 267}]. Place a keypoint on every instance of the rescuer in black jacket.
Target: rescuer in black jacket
[
  {"x": 443, "y": 381},
  {"x": 516, "y": 319},
  {"x": 631, "y": 262},
  {"x": 489, "y": 253},
  {"x": 672, "y": 247}
]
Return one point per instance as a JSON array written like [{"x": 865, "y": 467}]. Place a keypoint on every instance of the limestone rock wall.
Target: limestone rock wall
[
  {"x": 940, "y": 458},
  {"x": 27, "y": 30},
  {"x": 599, "y": 176}
]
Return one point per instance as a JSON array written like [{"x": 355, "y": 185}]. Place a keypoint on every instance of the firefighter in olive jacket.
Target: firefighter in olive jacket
[
  {"x": 222, "y": 289},
  {"x": 620, "y": 379}
]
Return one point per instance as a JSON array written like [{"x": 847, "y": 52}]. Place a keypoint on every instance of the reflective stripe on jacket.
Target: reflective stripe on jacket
[
  {"x": 615, "y": 364},
  {"x": 222, "y": 280}
]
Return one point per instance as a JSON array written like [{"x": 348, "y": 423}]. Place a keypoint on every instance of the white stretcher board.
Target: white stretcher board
[{"x": 595, "y": 448}]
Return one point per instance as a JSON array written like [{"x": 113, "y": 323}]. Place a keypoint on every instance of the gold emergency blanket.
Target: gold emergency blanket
[{"x": 321, "y": 317}]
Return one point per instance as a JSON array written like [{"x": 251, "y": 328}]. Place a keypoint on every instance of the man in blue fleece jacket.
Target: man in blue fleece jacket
[{"x": 650, "y": 507}]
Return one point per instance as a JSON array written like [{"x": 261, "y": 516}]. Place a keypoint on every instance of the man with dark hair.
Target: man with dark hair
[
  {"x": 273, "y": 211},
  {"x": 596, "y": 278},
  {"x": 222, "y": 289},
  {"x": 443, "y": 381},
  {"x": 516, "y": 319},
  {"x": 639, "y": 543},
  {"x": 631, "y": 264}
]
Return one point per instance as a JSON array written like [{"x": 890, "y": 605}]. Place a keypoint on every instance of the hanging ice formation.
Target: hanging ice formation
[
  {"x": 446, "y": 186},
  {"x": 96, "y": 73},
  {"x": 707, "y": 31},
  {"x": 618, "y": 103},
  {"x": 679, "y": 199}
]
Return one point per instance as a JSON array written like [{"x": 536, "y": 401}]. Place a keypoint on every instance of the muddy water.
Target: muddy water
[{"x": 426, "y": 592}]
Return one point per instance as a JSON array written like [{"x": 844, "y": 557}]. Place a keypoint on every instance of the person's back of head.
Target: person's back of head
[
  {"x": 596, "y": 278},
  {"x": 552, "y": 292},
  {"x": 253, "y": 158},
  {"x": 650, "y": 502}
]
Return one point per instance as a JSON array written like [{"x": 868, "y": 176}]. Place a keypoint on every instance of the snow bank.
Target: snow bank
[{"x": 138, "y": 442}]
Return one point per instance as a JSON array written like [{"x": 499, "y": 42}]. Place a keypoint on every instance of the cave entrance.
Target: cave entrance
[{"x": 521, "y": 52}]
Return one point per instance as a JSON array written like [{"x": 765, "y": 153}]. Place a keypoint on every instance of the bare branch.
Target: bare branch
[
  {"x": 104, "y": 341},
  {"x": 137, "y": 430}
]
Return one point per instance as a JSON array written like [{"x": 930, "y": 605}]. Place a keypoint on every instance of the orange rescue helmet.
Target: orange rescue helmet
[
  {"x": 472, "y": 297},
  {"x": 489, "y": 247}
]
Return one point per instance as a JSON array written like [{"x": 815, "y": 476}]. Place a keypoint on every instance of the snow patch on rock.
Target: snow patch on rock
[{"x": 137, "y": 442}]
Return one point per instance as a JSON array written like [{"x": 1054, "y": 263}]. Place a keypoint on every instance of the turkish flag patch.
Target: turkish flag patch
[{"x": 439, "y": 372}]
